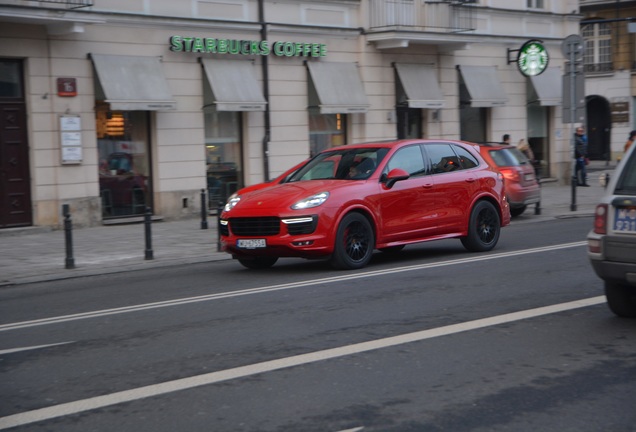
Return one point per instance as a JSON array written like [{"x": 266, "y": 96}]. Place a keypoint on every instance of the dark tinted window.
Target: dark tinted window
[
  {"x": 443, "y": 158},
  {"x": 465, "y": 158},
  {"x": 10, "y": 79}
]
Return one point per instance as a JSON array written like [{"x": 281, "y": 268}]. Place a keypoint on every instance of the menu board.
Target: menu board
[{"x": 71, "y": 139}]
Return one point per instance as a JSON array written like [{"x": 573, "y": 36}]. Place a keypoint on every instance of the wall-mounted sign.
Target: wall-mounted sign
[
  {"x": 533, "y": 58},
  {"x": 66, "y": 87},
  {"x": 246, "y": 47},
  {"x": 71, "y": 139},
  {"x": 619, "y": 108}
]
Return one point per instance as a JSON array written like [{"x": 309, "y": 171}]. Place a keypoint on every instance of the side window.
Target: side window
[
  {"x": 409, "y": 159},
  {"x": 466, "y": 159},
  {"x": 443, "y": 158}
]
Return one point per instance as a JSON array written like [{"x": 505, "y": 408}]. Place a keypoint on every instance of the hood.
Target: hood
[{"x": 283, "y": 196}]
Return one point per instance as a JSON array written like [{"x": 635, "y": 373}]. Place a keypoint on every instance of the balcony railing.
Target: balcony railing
[
  {"x": 66, "y": 4},
  {"x": 598, "y": 67},
  {"x": 422, "y": 15}
]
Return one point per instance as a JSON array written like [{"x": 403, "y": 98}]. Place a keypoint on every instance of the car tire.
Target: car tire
[
  {"x": 484, "y": 227},
  {"x": 354, "y": 244},
  {"x": 257, "y": 263},
  {"x": 621, "y": 299},
  {"x": 516, "y": 211}
]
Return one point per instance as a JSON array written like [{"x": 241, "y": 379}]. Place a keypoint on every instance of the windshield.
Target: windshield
[
  {"x": 508, "y": 157},
  {"x": 627, "y": 182},
  {"x": 342, "y": 164}
]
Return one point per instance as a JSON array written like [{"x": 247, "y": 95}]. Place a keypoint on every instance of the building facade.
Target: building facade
[
  {"x": 114, "y": 107},
  {"x": 609, "y": 30}
]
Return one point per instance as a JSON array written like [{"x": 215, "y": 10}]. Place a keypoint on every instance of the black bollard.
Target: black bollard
[
  {"x": 147, "y": 226},
  {"x": 204, "y": 211},
  {"x": 573, "y": 201},
  {"x": 68, "y": 236}
]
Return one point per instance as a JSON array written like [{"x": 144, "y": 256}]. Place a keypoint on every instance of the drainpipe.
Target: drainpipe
[{"x": 265, "y": 67}]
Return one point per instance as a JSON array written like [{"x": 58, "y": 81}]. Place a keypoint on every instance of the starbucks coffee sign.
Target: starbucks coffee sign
[
  {"x": 246, "y": 47},
  {"x": 533, "y": 58}
]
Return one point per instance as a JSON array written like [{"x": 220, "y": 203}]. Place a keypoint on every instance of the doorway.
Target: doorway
[
  {"x": 599, "y": 127},
  {"x": 15, "y": 183},
  {"x": 409, "y": 122}
]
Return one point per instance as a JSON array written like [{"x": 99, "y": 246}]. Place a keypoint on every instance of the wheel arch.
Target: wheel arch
[
  {"x": 492, "y": 200},
  {"x": 364, "y": 212}
]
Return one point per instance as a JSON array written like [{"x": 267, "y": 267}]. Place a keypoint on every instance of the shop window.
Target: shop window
[
  {"x": 325, "y": 130},
  {"x": 223, "y": 154},
  {"x": 472, "y": 120},
  {"x": 536, "y": 4},
  {"x": 124, "y": 162}
]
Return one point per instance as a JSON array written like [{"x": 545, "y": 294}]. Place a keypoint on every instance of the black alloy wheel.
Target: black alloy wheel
[
  {"x": 484, "y": 227},
  {"x": 355, "y": 242}
]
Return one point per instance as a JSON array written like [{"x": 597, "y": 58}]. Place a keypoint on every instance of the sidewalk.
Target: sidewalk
[{"x": 37, "y": 254}]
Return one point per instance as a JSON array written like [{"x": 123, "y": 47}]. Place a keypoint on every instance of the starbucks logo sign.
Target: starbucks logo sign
[{"x": 533, "y": 58}]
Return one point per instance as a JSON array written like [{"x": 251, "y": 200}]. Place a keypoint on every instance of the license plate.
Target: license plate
[
  {"x": 529, "y": 176},
  {"x": 251, "y": 243},
  {"x": 625, "y": 219}
]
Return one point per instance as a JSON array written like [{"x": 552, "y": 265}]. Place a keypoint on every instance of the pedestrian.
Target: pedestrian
[
  {"x": 580, "y": 156},
  {"x": 505, "y": 139},
  {"x": 630, "y": 141},
  {"x": 524, "y": 148}
]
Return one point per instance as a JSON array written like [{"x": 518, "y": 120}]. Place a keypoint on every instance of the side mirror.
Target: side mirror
[{"x": 395, "y": 175}]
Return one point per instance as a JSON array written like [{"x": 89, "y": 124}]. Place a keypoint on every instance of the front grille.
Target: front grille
[{"x": 256, "y": 226}]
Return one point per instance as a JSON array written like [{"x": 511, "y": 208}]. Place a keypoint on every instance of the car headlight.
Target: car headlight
[
  {"x": 312, "y": 201},
  {"x": 231, "y": 202}
]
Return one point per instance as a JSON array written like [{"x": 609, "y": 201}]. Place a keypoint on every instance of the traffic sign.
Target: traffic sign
[{"x": 573, "y": 46}]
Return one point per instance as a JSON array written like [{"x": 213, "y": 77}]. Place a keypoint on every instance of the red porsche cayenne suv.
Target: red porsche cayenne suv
[{"x": 350, "y": 200}]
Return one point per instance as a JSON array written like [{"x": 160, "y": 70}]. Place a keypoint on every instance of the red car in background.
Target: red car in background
[
  {"x": 520, "y": 180},
  {"x": 350, "y": 200}
]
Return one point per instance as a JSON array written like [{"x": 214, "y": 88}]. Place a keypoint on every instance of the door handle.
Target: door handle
[
  {"x": 470, "y": 180},
  {"x": 427, "y": 185}
]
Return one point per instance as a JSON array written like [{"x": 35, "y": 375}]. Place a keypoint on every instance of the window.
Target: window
[
  {"x": 10, "y": 79},
  {"x": 598, "y": 47},
  {"x": 467, "y": 160},
  {"x": 536, "y": 4},
  {"x": 223, "y": 153},
  {"x": 410, "y": 160},
  {"x": 443, "y": 158},
  {"x": 124, "y": 161},
  {"x": 325, "y": 131}
]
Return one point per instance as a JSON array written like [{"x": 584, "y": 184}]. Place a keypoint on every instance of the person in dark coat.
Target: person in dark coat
[{"x": 580, "y": 155}]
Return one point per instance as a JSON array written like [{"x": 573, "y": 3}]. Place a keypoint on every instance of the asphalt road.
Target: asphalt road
[{"x": 431, "y": 339}]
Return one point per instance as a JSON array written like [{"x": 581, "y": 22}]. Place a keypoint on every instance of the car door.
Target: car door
[
  {"x": 407, "y": 208},
  {"x": 455, "y": 185}
]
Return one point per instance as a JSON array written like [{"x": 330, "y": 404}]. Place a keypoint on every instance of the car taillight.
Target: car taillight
[
  {"x": 600, "y": 219},
  {"x": 510, "y": 174}
]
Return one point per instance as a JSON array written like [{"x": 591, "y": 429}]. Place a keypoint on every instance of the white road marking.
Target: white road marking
[
  {"x": 292, "y": 285},
  {"x": 278, "y": 364},
  {"x": 358, "y": 429},
  {"x": 14, "y": 350}
]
